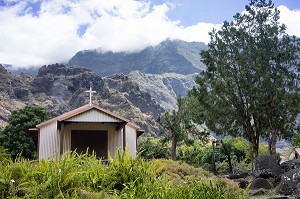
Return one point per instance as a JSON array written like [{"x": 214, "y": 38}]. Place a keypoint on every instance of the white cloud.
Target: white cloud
[
  {"x": 291, "y": 19},
  {"x": 51, "y": 34}
]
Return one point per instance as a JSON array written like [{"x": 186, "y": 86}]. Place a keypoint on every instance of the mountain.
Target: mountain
[
  {"x": 60, "y": 89},
  {"x": 140, "y": 86},
  {"x": 164, "y": 88},
  {"x": 174, "y": 56}
]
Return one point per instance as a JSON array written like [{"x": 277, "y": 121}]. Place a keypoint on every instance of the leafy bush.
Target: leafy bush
[
  {"x": 151, "y": 147},
  {"x": 296, "y": 140},
  {"x": 3, "y": 153},
  {"x": 83, "y": 176},
  {"x": 15, "y": 136}
]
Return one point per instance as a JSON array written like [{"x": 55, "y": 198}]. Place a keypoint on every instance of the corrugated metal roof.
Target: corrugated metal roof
[{"x": 83, "y": 109}]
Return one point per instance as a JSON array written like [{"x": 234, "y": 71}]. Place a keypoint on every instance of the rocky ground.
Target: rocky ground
[{"x": 270, "y": 179}]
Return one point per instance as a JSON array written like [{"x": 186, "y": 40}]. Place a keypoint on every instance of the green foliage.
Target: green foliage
[
  {"x": 15, "y": 136},
  {"x": 83, "y": 176},
  {"x": 250, "y": 87},
  {"x": 153, "y": 148},
  {"x": 3, "y": 153},
  {"x": 179, "y": 125},
  {"x": 296, "y": 140}
]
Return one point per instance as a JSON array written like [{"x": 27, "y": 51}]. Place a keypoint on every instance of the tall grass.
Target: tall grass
[{"x": 84, "y": 176}]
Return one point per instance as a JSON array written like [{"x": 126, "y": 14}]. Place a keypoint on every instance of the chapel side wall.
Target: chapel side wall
[
  {"x": 48, "y": 141},
  {"x": 114, "y": 137},
  {"x": 131, "y": 140}
]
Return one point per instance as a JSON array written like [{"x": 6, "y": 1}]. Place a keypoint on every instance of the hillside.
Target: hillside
[
  {"x": 59, "y": 89},
  {"x": 139, "y": 85},
  {"x": 168, "y": 57}
]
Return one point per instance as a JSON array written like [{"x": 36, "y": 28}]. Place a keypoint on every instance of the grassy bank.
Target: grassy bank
[{"x": 82, "y": 176}]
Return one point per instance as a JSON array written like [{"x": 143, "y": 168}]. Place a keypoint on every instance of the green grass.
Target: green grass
[{"x": 83, "y": 176}]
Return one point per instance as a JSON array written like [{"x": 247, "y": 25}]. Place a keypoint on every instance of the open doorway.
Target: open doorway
[{"x": 96, "y": 141}]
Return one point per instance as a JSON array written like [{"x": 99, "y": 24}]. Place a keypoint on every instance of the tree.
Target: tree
[
  {"x": 296, "y": 140},
  {"x": 152, "y": 148},
  {"x": 15, "y": 136},
  {"x": 180, "y": 126},
  {"x": 251, "y": 86}
]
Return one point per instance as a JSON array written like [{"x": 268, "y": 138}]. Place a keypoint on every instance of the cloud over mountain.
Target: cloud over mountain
[{"x": 36, "y": 32}]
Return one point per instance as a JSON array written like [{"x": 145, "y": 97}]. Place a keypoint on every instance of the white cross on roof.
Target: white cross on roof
[{"x": 90, "y": 91}]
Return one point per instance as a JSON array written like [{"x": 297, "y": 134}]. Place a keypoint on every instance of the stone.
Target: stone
[
  {"x": 278, "y": 197},
  {"x": 237, "y": 176},
  {"x": 290, "y": 183},
  {"x": 258, "y": 192},
  {"x": 267, "y": 166},
  {"x": 260, "y": 183},
  {"x": 2, "y": 69},
  {"x": 290, "y": 164},
  {"x": 242, "y": 183}
]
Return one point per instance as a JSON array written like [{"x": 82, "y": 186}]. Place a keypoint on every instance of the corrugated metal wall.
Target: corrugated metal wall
[
  {"x": 93, "y": 116},
  {"x": 131, "y": 140},
  {"x": 114, "y": 137},
  {"x": 48, "y": 141}
]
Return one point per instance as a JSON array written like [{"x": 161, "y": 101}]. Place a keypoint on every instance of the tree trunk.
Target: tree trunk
[
  {"x": 254, "y": 143},
  {"x": 228, "y": 157},
  {"x": 213, "y": 158},
  {"x": 273, "y": 141},
  {"x": 173, "y": 148}
]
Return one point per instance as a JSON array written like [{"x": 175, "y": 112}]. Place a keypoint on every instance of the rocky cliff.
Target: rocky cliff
[
  {"x": 168, "y": 57},
  {"x": 59, "y": 89}
]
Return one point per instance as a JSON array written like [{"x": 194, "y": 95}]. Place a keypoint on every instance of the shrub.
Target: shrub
[
  {"x": 84, "y": 176},
  {"x": 153, "y": 148}
]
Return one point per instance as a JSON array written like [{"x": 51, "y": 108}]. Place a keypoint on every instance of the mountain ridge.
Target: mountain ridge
[{"x": 168, "y": 57}]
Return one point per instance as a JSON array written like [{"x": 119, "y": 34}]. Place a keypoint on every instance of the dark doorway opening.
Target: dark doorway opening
[{"x": 96, "y": 141}]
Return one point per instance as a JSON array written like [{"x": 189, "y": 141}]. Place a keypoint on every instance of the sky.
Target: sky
[{"x": 39, "y": 32}]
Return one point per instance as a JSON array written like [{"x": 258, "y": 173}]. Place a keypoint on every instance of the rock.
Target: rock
[
  {"x": 237, "y": 176},
  {"x": 60, "y": 89},
  {"x": 290, "y": 183},
  {"x": 278, "y": 197},
  {"x": 267, "y": 166},
  {"x": 258, "y": 192},
  {"x": 290, "y": 164},
  {"x": 2, "y": 69},
  {"x": 242, "y": 183},
  {"x": 260, "y": 183}
]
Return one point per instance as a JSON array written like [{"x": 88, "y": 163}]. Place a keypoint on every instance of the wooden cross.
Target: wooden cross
[{"x": 90, "y": 91}]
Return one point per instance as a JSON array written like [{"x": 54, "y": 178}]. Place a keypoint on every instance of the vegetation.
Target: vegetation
[
  {"x": 15, "y": 136},
  {"x": 296, "y": 140},
  {"x": 83, "y": 176},
  {"x": 179, "y": 126},
  {"x": 251, "y": 88},
  {"x": 153, "y": 148},
  {"x": 199, "y": 155}
]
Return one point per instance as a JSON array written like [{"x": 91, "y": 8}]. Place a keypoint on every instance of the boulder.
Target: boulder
[
  {"x": 278, "y": 197},
  {"x": 258, "y": 192},
  {"x": 242, "y": 183},
  {"x": 290, "y": 183},
  {"x": 267, "y": 166},
  {"x": 260, "y": 183},
  {"x": 237, "y": 176},
  {"x": 290, "y": 164}
]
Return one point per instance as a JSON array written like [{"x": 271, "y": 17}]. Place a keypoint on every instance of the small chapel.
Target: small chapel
[{"x": 88, "y": 127}]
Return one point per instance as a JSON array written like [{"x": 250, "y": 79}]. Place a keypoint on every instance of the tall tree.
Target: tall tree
[
  {"x": 15, "y": 136},
  {"x": 251, "y": 86},
  {"x": 179, "y": 125}
]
